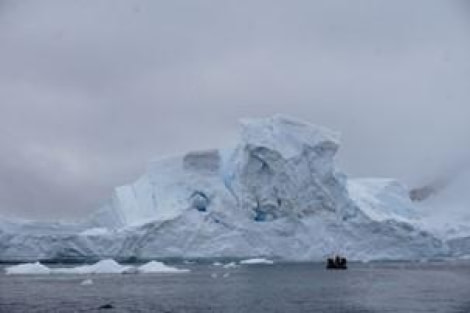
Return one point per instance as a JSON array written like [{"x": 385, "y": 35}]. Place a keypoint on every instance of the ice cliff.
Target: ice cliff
[{"x": 277, "y": 193}]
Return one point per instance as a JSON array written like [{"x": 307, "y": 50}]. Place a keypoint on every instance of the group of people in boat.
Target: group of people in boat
[{"x": 337, "y": 262}]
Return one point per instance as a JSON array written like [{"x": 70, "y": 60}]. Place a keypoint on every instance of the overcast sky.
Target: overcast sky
[{"x": 90, "y": 91}]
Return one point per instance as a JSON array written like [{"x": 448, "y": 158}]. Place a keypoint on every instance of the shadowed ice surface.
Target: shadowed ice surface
[{"x": 375, "y": 287}]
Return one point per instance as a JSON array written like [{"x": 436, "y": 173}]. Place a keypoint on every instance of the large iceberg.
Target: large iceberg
[{"x": 276, "y": 194}]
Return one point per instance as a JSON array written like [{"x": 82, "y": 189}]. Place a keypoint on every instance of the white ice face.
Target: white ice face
[{"x": 275, "y": 194}]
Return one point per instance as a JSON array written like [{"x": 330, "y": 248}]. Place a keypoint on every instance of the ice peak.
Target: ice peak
[{"x": 286, "y": 135}]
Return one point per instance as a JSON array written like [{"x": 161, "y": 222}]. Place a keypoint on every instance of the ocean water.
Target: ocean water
[{"x": 365, "y": 288}]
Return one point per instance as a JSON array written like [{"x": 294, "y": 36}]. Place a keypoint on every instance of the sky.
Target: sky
[{"x": 91, "y": 91}]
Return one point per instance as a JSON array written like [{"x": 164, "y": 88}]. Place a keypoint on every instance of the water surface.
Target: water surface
[{"x": 367, "y": 288}]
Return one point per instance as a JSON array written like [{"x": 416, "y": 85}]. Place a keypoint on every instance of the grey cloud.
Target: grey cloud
[{"x": 92, "y": 90}]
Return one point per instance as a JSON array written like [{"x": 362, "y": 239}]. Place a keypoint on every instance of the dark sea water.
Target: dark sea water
[{"x": 365, "y": 288}]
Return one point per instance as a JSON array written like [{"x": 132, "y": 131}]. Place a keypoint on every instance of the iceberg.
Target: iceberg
[
  {"x": 159, "y": 267},
  {"x": 276, "y": 193},
  {"x": 108, "y": 266},
  {"x": 28, "y": 269}
]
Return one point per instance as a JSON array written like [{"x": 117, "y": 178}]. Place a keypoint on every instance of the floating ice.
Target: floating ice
[
  {"x": 257, "y": 261},
  {"x": 230, "y": 265},
  {"x": 159, "y": 267},
  {"x": 87, "y": 282},
  {"x": 108, "y": 266},
  {"x": 28, "y": 269}
]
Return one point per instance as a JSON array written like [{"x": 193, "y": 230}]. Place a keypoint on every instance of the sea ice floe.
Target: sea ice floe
[{"x": 257, "y": 261}]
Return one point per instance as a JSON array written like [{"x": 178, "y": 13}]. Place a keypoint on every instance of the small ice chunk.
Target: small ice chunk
[
  {"x": 28, "y": 269},
  {"x": 217, "y": 264},
  {"x": 159, "y": 267},
  {"x": 87, "y": 282},
  {"x": 257, "y": 261},
  {"x": 226, "y": 275},
  {"x": 214, "y": 275},
  {"x": 230, "y": 265}
]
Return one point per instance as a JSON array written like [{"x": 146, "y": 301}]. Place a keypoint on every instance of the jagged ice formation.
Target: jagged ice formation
[{"x": 276, "y": 194}]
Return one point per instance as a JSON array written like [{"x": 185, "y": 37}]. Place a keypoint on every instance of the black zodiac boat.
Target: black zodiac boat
[{"x": 337, "y": 263}]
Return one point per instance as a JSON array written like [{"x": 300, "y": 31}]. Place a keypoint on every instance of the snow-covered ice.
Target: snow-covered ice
[
  {"x": 96, "y": 231},
  {"x": 383, "y": 199},
  {"x": 447, "y": 213}
]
